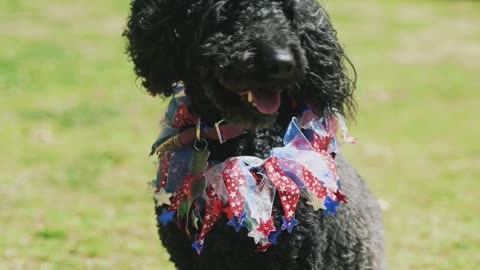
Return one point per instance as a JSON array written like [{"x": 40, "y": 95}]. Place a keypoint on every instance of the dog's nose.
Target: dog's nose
[{"x": 281, "y": 65}]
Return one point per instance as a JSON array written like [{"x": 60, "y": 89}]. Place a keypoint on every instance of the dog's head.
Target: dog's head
[{"x": 237, "y": 57}]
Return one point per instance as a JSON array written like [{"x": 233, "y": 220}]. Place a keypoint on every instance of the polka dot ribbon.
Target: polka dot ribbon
[{"x": 183, "y": 117}]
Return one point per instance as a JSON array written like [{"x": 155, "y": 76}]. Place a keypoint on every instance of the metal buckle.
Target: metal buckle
[
  {"x": 219, "y": 133},
  {"x": 198, "y": 129}
]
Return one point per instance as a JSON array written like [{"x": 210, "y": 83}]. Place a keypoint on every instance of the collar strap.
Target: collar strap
[{"x": 221, "y": 133}]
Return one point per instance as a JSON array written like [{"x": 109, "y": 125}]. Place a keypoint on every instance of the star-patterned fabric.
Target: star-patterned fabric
[
  {"x": 236, "y": 186},
  {"x": 162, "y": 173},
  {"x": 243, "y": 188},
  {"x": 288, "y": 191},
  {"x": 182, "y": 194},
  {"x": 213, "y": 212},
  {"x": 183, "y": 117}
]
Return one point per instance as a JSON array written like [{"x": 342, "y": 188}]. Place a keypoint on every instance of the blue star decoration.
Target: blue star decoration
[
  {"x": 197, "y": 245},
  {"x": 238, "y": 222},
  {"x": 331, "y": 207},
  {"x": 272, "y": 237},
  {"x": 166, "y": 216},
  {"x": 289, "y": 225}
]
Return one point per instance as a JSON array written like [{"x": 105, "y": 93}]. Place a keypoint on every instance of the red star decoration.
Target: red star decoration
[
  {"x": 340, "y": 196},
  {"x": 228, "y": 211},
  {"x": 266, "y": 227},
  {"x": 263, "y": 247}
]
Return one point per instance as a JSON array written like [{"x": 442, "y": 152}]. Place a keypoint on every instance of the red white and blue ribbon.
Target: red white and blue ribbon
[{"x": 243, "y": 188}]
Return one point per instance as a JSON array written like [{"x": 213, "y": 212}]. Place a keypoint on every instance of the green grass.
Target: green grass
[{"x": 75, "y": 131}]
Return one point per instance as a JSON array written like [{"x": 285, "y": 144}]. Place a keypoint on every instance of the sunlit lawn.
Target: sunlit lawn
[{"x": 75, "y": 131}]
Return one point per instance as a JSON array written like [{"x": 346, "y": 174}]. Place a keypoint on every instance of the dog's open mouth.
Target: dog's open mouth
[{"x": 266, "y": 101}]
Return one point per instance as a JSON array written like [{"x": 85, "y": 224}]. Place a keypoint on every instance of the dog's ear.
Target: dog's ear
[
  {"x": 151, "y": 44},
  {"x": 328, "y": 86}
]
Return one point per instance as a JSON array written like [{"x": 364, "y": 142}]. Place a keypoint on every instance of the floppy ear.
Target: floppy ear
[
  {"x": 151, "y": 44},
  {"x": 327, "y": 86}
]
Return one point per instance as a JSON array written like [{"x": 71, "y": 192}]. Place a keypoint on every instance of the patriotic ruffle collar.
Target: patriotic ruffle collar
[{"x": 197, "y": 191}]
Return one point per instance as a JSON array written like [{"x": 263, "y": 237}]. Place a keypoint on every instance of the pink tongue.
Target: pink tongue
[{"x": 266, "y": 102}]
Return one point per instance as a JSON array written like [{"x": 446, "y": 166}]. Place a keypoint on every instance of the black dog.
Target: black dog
[{"x": 284, "y": 51}]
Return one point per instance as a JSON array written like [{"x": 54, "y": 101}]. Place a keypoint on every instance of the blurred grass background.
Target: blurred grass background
[{"x": 75, "y": 130}]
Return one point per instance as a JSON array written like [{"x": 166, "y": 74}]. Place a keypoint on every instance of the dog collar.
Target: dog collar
[
  {"x": 178, "y": 117},
  {"x": 195, "y": 191}
]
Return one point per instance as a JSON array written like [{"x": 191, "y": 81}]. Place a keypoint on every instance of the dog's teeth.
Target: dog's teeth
[{"x": 250, "y": 97}]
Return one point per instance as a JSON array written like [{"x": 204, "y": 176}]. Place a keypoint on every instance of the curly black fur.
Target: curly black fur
[{"x": 220, "y": 48}]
